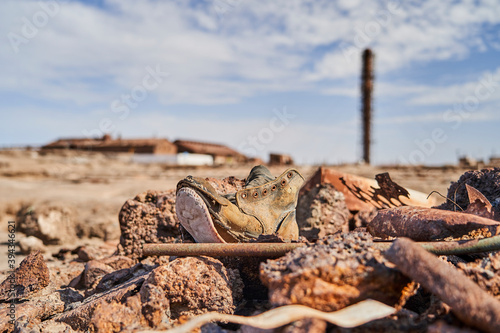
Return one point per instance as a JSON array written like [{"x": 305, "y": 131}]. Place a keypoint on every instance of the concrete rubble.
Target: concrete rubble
[{"x": 341, "y": 217}]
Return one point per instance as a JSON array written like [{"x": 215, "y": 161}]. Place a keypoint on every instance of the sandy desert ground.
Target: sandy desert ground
[{"x": 95, "y": 186}]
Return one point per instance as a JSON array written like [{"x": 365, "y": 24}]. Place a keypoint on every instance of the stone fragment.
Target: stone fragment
[
  {"x": 88, "y": 253},
  {"x": 31, "y": 276},
  {"x": 80, "y": 317},
  {"x": 148, "y": 218},
  {"x": 31, "y": 244},
  {"x": 95, "y": 270},
  {"x": 192, "y": 286},
  {"x": 117, "y": 317},
  {"x": 321, "y": 212},
  {"x": 485, "y": 272},
  {"x": 338, "y": 271},
  {"x": 52, "y": 223}
]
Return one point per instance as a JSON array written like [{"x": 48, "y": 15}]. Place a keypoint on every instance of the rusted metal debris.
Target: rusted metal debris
[
  {"x": 364, "y": 194},
  {"x": 269, "y": 250},
  {"x": 467, "y": 300},
  {"x": 478, "y": 204},
  {"x": 425, "y": 224},
  {"x": 389, "y": 190},
  {"x": 275, "y": 250},
  {"x": 486, "y": 181}
]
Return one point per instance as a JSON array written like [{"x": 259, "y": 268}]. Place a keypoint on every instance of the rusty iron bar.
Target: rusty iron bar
[
  {"x": 274, "y": 250},
  {"x": 220, "y": 249},
  {"x": 467, "y": 300}
]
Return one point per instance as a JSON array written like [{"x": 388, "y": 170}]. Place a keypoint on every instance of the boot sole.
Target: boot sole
[{"x": 194, "y": 216}]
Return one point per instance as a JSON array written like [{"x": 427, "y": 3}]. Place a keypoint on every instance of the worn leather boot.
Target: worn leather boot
[{"x": 265, "y": 206}]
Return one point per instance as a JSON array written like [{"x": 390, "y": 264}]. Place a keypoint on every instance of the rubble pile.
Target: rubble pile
[
  {"x": 486, "y": 181},
  {"x": 322, "y": 211},
  {"x": 336, "y": 265},
  {"x": 334, "y": 273}
]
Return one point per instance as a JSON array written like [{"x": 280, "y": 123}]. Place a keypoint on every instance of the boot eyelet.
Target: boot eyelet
[
  {"x": 243, "y": 195},
  {"x": 273, "y": 188},
  {"x": 283, "y": 182},
  {"x": 264, "y": 192},
  {"x": 289, "y": 175},
  {"x": 255, "y": 194}
]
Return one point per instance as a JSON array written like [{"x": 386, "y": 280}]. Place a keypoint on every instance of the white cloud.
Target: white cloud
[
  {"x": 485, "y": 89},
  {"x": 214, "y": 58}
]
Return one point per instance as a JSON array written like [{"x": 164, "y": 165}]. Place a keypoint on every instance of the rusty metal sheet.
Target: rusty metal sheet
[
  {"x": 478, "y": 204},
  {"x": 364, "y": 194}
]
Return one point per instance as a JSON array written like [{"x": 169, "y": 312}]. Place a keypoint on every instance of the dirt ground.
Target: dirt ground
[{"x": 97, "y": 185}]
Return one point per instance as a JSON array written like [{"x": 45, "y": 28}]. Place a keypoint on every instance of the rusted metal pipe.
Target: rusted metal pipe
[
  {"x": 467, "y": 300},
  {"x": 220, "y": 250},
  {"x": 274, "y": 250},
  {"x": 463, "y": 247}
]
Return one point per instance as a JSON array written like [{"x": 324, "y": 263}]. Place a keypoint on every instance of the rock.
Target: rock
[
  {"x": 148, "y": 218},
  {"x": 191, "y": 286},
  {"x": 93, "y": 273},
  {"x": 485, "y": 272},
  {"x": 486, "y": 181},
  {"x": 117, "y": 317},
  {"x": 338, "y": 271},
  {"x": 29, "y": 314},
  {"x": 31, "y": 276},
  {"x": 52, "y": 326},
  {"x": 321, "y": 212},
  {"x": 31, "y": 244},
  {"x": 443, "y": 327},
  {"x": 362, "y": 218},
  {"x": 88, "y": 253},
  {"x": 95, "y": 270},
  {"x": 51, "y": 223},
  {"x": 118, "y": 277},
  {"x": 81, "y": 317},
  {"x": 183, "y": 287}
]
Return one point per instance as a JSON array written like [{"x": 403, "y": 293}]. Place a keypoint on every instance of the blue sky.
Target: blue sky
[{"x": 280, "y": 76}]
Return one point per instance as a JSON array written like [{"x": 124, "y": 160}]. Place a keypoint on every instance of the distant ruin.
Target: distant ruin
[{"x": 182, "y": 152}]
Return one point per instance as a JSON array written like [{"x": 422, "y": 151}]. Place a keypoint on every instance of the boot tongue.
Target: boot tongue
[{"x": 259, "y": 175}]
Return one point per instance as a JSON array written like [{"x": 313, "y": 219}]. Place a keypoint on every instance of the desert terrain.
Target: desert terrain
[
  {"x": 94, "y": 186},
  {"x": 88, "y": 225}
]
